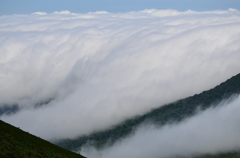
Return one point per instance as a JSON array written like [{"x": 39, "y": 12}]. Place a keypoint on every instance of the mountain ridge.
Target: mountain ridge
[{"x": 175, "y": 111}]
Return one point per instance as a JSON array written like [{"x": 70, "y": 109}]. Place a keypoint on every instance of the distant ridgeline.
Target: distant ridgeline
[
  {"x": 176, "y": 111},
  {"x": 12, "y": 109},
  {"x": 15, "y": 143},
  {"x": 6, "y": 109}
]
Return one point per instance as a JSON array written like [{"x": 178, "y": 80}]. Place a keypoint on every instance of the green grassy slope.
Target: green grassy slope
[
  {"x": 172, "y": 112},
  {"x": 15, "y": 143}
]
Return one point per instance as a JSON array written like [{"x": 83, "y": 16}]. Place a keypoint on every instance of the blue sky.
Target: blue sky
[{"x": 83, "y": 6}]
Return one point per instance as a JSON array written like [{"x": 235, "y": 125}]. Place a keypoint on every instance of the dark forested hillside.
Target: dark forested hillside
[
  {"x": 222, "y": 155},
  {"x": 15, "y": 143},
  {"x": 171, "y": 112}
]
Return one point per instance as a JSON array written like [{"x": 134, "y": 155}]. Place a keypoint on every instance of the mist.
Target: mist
[
  {"x": 72, "y": 74},
  {"x": 213, "y": 131}
]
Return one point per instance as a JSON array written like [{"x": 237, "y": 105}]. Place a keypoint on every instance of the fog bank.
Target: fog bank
[{"x": 95, "y": 70}]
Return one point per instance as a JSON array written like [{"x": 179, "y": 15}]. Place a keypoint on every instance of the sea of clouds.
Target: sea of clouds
[{"x": 73, "y": 74}]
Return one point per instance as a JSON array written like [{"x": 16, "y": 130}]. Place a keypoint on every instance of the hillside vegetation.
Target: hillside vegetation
[
  {"x": 176, "y": 111},
  {"x": 15, "y": 143},
  {"x": 222, "y": 155}
]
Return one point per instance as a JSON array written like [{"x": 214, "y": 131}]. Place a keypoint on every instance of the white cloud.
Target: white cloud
[
  {"x": 99, "y": 12},
  {"x": 233, "y": 10},
  {"x": 100, "y": 69},
  {"x": 39, "y": 13},
  {"x": 213, "y": 131},
  {"x": 64, "y": 12}
]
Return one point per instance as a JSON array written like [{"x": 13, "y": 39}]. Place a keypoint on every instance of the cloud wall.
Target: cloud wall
[{"x": 99, "y": 68}]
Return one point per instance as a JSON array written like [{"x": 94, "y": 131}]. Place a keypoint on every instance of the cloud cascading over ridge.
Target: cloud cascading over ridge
[
  {"x": 99, "y": 68},
  {"x": 213, "y": 131}
]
